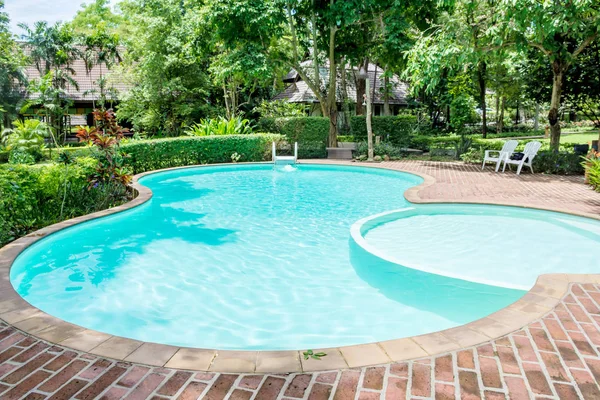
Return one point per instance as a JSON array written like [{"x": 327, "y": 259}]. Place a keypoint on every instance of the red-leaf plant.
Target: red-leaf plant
[{"x": 106, "y": 136}]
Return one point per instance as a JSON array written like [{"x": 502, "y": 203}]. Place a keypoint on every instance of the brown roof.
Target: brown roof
[
  {"x": 298, "y": 91},
  {"x": 86, "y": 80}
]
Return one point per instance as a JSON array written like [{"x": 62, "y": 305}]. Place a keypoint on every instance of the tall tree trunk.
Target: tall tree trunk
[
  {"x": 360, "y": 89},
  {"x": 557, "y": 81},
  {"x": 500, "y": 125},
  {"x": 345, "y": 106},
  {"x": 481, "y": 74},
  {"x": 373, "y": 90},
  {"x": 332, "y": 90},
  {"x": 517, "y": 114},
  {"x": 386, "y": 95}
]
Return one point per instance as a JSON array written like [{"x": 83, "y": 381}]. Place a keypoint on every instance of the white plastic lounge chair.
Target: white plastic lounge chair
[
  {"x": 499, "y": 156},
  {"x": 529, "y": 153}
]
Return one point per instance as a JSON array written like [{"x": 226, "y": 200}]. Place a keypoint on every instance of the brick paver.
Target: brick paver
[{"x": 556, "y": 357}]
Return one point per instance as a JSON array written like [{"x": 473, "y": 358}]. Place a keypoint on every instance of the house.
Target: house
[
  {"x": 297, "y": 91},
  {"x": 85, "y": 96}
]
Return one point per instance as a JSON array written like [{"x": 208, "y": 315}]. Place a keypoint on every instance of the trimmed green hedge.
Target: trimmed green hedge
[
  {"x": 396, "y": 130},
  {"x": 311, "y": 133},
  {"x": 148, "y": 155}
]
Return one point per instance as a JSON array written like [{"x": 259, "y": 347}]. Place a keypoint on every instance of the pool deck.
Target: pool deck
[{"x": 545, "y": 347}]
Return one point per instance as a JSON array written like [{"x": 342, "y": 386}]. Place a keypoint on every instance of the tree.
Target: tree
[
  {"x": 305, "y": 35},
  {"x": 166, "y": 65},
  {"x": 98, "y": 15},
  {"x": 53, "y": 49},
  {"x": 101, "y": 50},
  {"x": 464, "y": 38},
  {"x": 561, "y": 30},
  {"x": 12, "y": 75}
]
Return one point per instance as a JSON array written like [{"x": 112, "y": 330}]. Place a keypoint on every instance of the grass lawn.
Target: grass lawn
[
  {"x": 567, "y": 137},
  {"x": 576, "y": 137}
]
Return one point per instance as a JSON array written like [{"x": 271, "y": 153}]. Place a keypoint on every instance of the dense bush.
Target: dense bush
[
  {"x": 558, "y": 163},
  {"x": 148, "y": 155},
  {"x": 311, "y": 133},
  {"x": 395, "y": 130},
  {"x": 31, "y": 197}
]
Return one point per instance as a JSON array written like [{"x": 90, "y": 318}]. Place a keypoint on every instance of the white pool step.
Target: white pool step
[{"x": 285, "y": 159}]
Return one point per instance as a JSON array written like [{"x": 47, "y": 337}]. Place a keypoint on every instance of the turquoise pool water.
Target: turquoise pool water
[{"x": 251, "y": 257}]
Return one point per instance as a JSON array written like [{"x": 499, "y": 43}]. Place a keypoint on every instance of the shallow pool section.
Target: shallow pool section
[
  {"x": 494, "y": 245},
  {"x": 251, "y": 257}
]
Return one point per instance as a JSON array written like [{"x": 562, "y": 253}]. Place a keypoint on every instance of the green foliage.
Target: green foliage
[
  {"x": 12, "y": 77},
  {"x": 20, "y": 156},
  {"x": 592, "y": 170},
  {"x": 148, "y": 155},
  {"x": 166, "y": 64},
  {"x": 26, "y": 137},
  {"x": 310, "y": 132},
  {"x": 311, "y": 354},
  {"x": 221, "y": 126},
  {"x": 558, "y": 163},
  {"x": 31, "y": 196},
  {"x": 281, "y": 109},
  {"x": 380, "y": 149},
  {"x": 396, "y": 130},
  {"x": 98, "y": 14}
]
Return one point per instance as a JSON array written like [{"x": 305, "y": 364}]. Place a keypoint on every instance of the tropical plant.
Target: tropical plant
[
  {"x": 591, "y": 164},
  {"x": 26, "y": 136},
  {"x": 221, "y": 126},
  {"x": 20, "y": 156},
  {"x": 52, "y": 49},
  {"x": 111, "y": 170}
]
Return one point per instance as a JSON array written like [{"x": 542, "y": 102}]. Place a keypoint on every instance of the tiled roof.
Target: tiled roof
[
  {"x": 298, "y": 91},
  {"x": 86, "y": 80}
]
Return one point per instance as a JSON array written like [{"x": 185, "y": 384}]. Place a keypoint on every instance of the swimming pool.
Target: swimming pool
[{"x": 248, "y": 257}]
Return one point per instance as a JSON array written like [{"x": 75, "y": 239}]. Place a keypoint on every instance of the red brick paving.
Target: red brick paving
[{"x": 557, "y": 357}]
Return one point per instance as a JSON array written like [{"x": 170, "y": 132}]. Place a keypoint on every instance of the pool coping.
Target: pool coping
[{"x": 14, "y": 310}]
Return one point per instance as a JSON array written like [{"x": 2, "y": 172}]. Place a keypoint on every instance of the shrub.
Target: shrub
[
  {"x": 4, "y": 156},
  {"x": 346, "y": 138},
  {"x": 311, "y": 133},
  {"x": 267, "y": 125},
  {"x": 592, "y": 169},
  {"x": 21, "y": 156},
  {"x": 558, "y": 163},
  {"x": 396, "y": 130},
  {"x": 26, "y": 137},
  {"x": 148, "y": 155},
  {"x": 31, "y": 197},
  {"x": 221, "y": 126}
]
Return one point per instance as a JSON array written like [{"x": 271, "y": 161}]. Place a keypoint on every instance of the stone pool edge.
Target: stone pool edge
[{"x": 15, "y": 311}]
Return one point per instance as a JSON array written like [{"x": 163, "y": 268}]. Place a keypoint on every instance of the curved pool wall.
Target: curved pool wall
[
  {"x": 378, "y": 301},
  {"x": 499, "y": 246}
]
